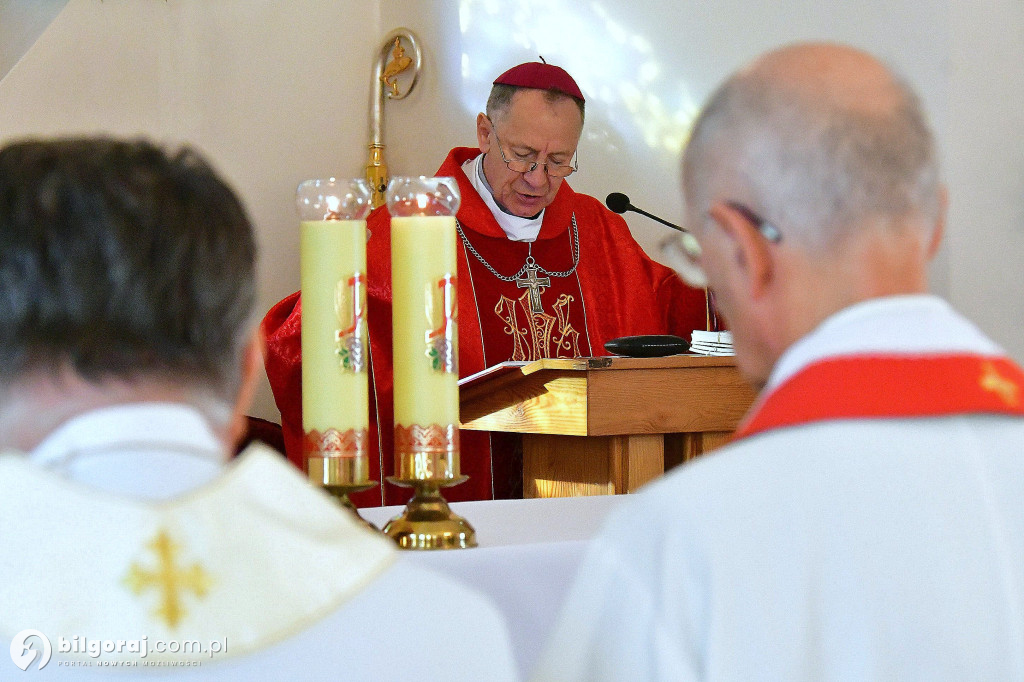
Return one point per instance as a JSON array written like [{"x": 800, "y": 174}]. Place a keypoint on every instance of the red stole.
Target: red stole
[
  {"x": 524, "y": 322},
  {"x": 503, "y": 319},
  {"x": 879, "y": 386}
]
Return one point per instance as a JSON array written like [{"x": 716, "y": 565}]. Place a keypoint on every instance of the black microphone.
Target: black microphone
[
  {"x": 619, "y": 203},
  {"x": 651, "y": 345}
]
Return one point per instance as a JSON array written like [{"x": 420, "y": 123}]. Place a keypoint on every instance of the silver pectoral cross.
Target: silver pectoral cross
[{"x": 535, "y": 284}]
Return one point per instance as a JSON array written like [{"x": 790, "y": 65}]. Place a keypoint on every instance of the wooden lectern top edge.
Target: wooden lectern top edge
[
  {"x": 618, "y": 362},
  {"x": 501, "y": 373}
]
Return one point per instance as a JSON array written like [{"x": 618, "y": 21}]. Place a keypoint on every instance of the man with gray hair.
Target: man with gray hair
[
  {"x": 128, "y": 351},
  {"x": 866, "y": 522}
]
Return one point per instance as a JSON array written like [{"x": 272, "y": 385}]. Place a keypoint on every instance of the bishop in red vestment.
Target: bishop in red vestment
[{"x": 542, "y": 272}]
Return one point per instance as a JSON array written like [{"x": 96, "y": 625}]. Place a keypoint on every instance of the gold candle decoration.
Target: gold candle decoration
[
  {"x": 335, "y": 417},
  {"x": 426, "y": 373}
]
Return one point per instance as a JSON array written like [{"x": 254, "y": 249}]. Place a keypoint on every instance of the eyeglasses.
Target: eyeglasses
[
  {"x": 555, "y": 170},
  {"x": 682, "y": 252}
]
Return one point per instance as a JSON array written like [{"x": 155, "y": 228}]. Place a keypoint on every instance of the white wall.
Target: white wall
[
  {"x": 985, "y": 162},
  {"x": 277, "y": 92}
]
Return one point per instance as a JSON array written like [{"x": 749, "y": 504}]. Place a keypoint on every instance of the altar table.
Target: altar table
[{"x": 528, "y": 554}]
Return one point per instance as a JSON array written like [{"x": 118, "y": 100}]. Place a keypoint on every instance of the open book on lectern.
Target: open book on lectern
[{"x": 494, "y": 371}]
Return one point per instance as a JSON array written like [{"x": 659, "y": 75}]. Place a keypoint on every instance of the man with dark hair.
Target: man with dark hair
[
  {"x": 543, "y": 272},
  {"x": 867, "y": 522},
  {"x": 128, "y": 352},
  {"x": 128, "y": 277}
]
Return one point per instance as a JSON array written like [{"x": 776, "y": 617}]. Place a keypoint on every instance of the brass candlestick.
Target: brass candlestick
[
  {"x": 428, "y": 460},
  {"x": 340, "y": 477},
  {"x": 428, "y": 522}
]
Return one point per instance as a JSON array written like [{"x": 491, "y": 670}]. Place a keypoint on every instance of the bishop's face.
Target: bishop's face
[{"x": 532, "y": 129}]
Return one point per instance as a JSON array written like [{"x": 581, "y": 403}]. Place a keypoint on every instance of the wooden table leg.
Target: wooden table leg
[
  {"x": 567, "y": 466},
  {"x": 682, "y": 447},
  {"x": 636, "y": 460}
]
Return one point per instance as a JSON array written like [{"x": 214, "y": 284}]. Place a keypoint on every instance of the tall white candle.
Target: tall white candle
[
  {"x": 334, "y": 342},
  {"x": 425, "y": 327}
]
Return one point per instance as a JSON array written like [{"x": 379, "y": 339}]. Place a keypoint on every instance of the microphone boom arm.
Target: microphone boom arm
[
  {"x": 619, "y": 203},
  {"x": 654, "y": 217}
]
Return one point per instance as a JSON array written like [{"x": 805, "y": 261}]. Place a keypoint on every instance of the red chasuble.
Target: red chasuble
[
  {"x": 890, "y": 386},
  {"x": 593, "y": 283}
]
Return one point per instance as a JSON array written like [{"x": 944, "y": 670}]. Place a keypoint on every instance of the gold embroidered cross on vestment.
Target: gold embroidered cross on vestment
[
  {"x": 991, "y": 380},
  {"x": 171, "y": 580}
]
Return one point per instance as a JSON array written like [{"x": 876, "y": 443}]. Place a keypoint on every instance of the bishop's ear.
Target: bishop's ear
[
  {"x": 746, "y": 248},
  {"x": 483, "y": 132}
]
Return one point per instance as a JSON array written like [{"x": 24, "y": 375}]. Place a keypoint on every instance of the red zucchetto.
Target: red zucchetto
[{"x": 542, "y": 76}]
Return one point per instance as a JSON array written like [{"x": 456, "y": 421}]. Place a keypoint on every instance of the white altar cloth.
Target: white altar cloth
[{"x": 528, "y": 554}]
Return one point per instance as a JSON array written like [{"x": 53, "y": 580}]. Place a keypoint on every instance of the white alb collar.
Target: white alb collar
[
  {"x": 151, "y": 450},
  {"x": 515, "y": 228},
  {"x": 918, "y": 324}
]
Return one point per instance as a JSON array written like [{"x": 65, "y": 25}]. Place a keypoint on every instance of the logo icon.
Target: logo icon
[{"x": 22, "y": 652}]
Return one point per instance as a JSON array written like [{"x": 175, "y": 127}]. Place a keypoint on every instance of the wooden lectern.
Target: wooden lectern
[{"x": 606, "y": 425}]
